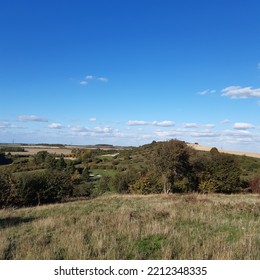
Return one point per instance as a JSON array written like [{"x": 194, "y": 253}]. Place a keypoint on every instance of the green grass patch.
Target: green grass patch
[
  {"x": 149, "y": 246},
  {"x": 103, "y": 172}
]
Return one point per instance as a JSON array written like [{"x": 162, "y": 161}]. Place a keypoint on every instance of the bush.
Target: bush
[
  {"x": 8, "y": 195},
  {"x": 103, "y": 185},
  {"x": 182, "y": 186},
  {"x": 40, "y": 157},
  {"x": 254, "y": 184},
  {"x": 145, "y": 185},
  {"x": 225, "y": 172},
  {"x": 123, "y": 180},
  {"x": 28, "y": 190},
  {"x": 207, "y": 186},
  {"x": 4, "y": 159},
  {"x": 59, "y": 186},
  {"x": 83, "y": 190},
  {"x": 217, "y": 172}
]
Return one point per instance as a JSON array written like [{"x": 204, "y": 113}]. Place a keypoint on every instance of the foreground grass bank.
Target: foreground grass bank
[{"x": 135, "y": 227}]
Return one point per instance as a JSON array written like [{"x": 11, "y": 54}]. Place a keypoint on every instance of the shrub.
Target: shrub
[
  {"x": 122, "y": 181},
  {"x": 182, "y": 186},
  {"x": 40, "y": 157},
  {"x": 145, "y": 185},
  {"x": 214, "y": 151},
  {"x": 59, "y": 186},
  {"x": 254, "y": 184},
  {"x": 7, "y": 190},
  {"x": 103, "y": 185},
  {"x": 30, "y": 189},
  {"x": 4, "y": 159},
  {"x": 84, "y": 189},
  {"x": 225, "y": 172},
  {"x": 207, "y": 186}
]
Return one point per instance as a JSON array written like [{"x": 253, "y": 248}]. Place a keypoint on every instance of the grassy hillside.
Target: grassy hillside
[{"x": 172, "y": 226}]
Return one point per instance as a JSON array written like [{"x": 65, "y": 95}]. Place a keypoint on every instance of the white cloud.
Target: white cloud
[
  {"x": 102, "y": 130},
  {"x": 84, "y": 83},
  {"x": 190, "y": 125},
  {"x": 4, "y": 125},
  {"x": 206, "y": 92},
  {"x": 137, "y": 123},
  {"x": 258, "y": 65},
  {"x": 155, "y": 123},
  {"x": 90, "y": 131},
  {"x": 103, "y": 79},
  {"x": 236, "y": 92},
  {"x": 243, "y": 126},
  {"x": 237, "y": 133},
  {"x": 89, "y": 78},
  {"x": 225, "y": 121},
  {"x": 206, "y": 134},
  {"x": 55, "y": 126},
  {"x": 92, "y": 119},
  {"x": 31, "y": 118},
  {"x": 209, "y": 125},
  {"x": 168, "y": 134},
  {"x": 78, "y": 128},
  {"x": 163, "y": 123}
]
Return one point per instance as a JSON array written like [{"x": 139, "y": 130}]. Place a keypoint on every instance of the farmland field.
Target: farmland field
[
  {"x": 191, "y": 226},
  {"x": 32, "y": 150}
]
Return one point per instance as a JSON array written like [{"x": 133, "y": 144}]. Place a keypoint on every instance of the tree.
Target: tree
[
  {"x": 70, "y": 167},
  {"x": 58, "y": 187},
  {"x": 61, "y": 164},
  {"x": 170, "y": 160},
  {"x": 40, "y": 157},
  {"x": 50, "y": 162},
  {"x": 225, "y": 172},
  {"x": 31, "y": 188}
]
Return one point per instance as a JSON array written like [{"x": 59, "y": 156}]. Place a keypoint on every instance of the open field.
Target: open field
[
  {"x": 239, "y": 153},
  {"x": 32, "y": 150},
  {"x": 188, "y": 226},
  {"x": 52, "y": 149}
]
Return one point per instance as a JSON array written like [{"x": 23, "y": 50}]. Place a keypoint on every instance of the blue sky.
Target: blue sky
[{"x": 130, "y": 72}]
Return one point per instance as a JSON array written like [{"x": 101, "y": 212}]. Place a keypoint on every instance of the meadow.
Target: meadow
[{"x": 173, "y": 226}]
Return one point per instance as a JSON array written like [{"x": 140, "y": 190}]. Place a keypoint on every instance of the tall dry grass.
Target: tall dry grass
[{"x": 135, "y": 227}]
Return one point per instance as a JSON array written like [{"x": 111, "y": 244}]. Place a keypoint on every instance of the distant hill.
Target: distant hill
[{"x": 240, "y": 153}]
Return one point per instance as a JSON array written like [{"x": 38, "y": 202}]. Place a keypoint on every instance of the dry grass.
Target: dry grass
[
  {"x": 135, "y": 227},
  {"x": 239, "y": 153},
  {"x": 32, "y": 150}
]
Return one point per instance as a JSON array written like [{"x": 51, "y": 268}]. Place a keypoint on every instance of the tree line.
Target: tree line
[
  {"x": 170, "y": 167},
  {"x": 175, "y": 167}
]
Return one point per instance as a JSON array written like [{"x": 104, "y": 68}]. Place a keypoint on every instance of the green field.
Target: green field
[{"x": 170, "y": 226}]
